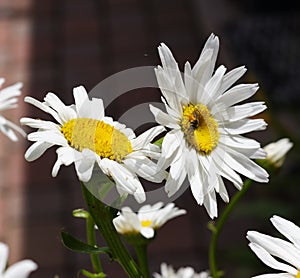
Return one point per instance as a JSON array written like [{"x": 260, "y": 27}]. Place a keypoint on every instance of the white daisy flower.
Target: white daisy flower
[
  {"x": 205, "y": 142},
  {"x": 20, "y": 269},
  {"x": 183, "y": 272},
  {"x": 8, "y": 100},
  {"x": 85, "y": 137},
  {"x": 276, "y": 151},
  {"x": 266, "y": 248},
  {"x": 146, "y": 220}
]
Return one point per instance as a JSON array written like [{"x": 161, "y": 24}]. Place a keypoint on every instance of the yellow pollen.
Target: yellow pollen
[
  {"x": 146, "y": 223},
  {"x": 100, "y": 137},
  {"x": 200, "y": 128},
  {"x": 298, "y": 274}
]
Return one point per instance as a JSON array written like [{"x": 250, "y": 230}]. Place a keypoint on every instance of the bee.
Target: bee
[{"x": 195, "y": 121}]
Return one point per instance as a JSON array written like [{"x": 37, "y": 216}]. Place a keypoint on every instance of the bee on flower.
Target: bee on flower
[{"x": 206, "y": 126}]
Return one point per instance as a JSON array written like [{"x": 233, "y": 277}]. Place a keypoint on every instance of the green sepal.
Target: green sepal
[
  {"x": 77, "y": 245},
  {"x": 159, "y": 142},
  {"x": 137, "y": 239},
  {"x": 92, "y": 275}
]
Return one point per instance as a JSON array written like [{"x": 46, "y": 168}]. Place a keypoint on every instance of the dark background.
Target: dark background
[{"x": 83, "y": 42}]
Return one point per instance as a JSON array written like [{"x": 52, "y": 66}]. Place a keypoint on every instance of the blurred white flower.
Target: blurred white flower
[
  {"x": 147, "y": 220},
  {"x": 276, "y": 151},
  {"x": 20, "y": 269},
  {"x": 267, "y": 247},
  {"x": 8, "y": 100},
  {"x": 184, "y": 272},
  {"x": 205, "y": 141},
  {"x": 85, "y": 136}
]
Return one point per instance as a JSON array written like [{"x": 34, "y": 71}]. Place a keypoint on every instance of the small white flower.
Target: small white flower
[
  {"x": 20, "y": 269},
  {"x": 267, "y": 247},
  {"x": 184, "y": 272},
  {"x": 8, "y": 100},
  {"x": 85, "y": 136},
  {"x": 147, "y": 220},
  {"x": 277, "y": 151},
  {"x": 205, "y": 141}
]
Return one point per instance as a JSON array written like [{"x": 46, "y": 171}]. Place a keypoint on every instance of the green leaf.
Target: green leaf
[{"x": 77, "y": 245}]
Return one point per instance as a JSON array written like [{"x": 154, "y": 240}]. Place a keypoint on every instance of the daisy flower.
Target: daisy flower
[
  {"x": 183, "y": 272},
  {"x": 276, "y": 151},
  {"x": 85, "y": 136},
  {"x": 146, "y": 220},
  {"x": 266, "y": 248},
  {"x": 20, "y": 269},
  {"x": 205, "y": 140},
  {"x": 8, "y": 100}
]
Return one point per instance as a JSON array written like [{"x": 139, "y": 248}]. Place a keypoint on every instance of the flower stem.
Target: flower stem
[
  {"x": 103, "y": 218},
  {"x": 141, "y": 252},
  {"x": 91, "y": 239},
  {"x": 217, "y": 228}
]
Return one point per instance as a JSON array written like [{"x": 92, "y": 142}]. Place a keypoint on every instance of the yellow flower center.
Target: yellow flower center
[
  {"x": 146, "y": 223},
  {"x": 298, "y": 274},
  {"x": 102, "y": 138},
  {"x": 200, "y": 128}
]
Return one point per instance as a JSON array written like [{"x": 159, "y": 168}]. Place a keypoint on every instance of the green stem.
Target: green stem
[
  {"x": 216, "y": 230},
  {"x": 141, "y": 252},
  {"x": 91, "y": 239},
  {"x": 103, "y": 218}
]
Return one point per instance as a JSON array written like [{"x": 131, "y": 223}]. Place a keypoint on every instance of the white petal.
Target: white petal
[
  {"x": 239, "y": 112},
  {"x": 231, "y": 77},
  {"x": 36, "y": 150},
  {"x": 163, "y": 118},
  {"x": 44, "y": 108},
  {"x": 277, "y": 247},
  {"x": 224, "y": 169},
  {"x": 237, "y": 94},
  {"x": 213, "y": 44},
  {"x": 144, "y": 167},
  {"x": 176, "y": 177},
  {"x": 288, "y": 229},
  {"x": 81, "y": 98},
  {"x": 50, "y": 136},
  {"x": 7, "y": 127},
  {"x": 65, "y": 113},
  {"x": 145, "y": 138},
  {"x": 210, "y": 203},
  {"x": 245, "y": 166},
  {"x": 244, "y": 126},
  {"x": 266, "y": 258},
  {"x": 4, "y": 256},
  {"x": 20, "y": 269},
  {"x": 126, "y": 181},
  {"x": 170, "y": 147},
  {"x": 85, "y": 165},
  {"x": 211, "y": 88},
  {"x": 167, "y": 83},
  {"x": 36, "y": 123},
  {"x": 147, "y": 232},
  {"x": 195, "y": 176}
]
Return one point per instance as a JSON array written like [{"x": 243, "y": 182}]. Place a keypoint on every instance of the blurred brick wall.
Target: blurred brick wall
[
  {"x": 15, "y": 54},
  {"x": 57, "y": 45}
]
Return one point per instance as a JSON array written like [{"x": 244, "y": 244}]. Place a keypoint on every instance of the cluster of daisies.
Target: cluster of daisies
[{"x": 204, "y": 143}]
